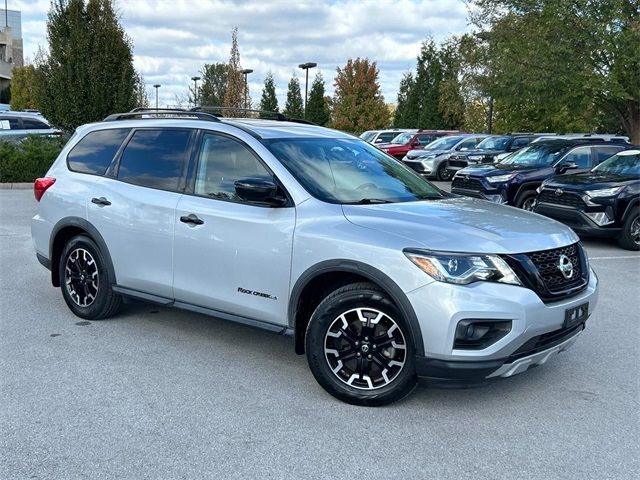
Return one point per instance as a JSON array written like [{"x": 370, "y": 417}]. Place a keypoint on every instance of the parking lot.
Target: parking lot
[{"x": 160, "y": 393}]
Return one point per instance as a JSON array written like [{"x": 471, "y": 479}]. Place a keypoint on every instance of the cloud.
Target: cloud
[{"x": 173, "y": 39}]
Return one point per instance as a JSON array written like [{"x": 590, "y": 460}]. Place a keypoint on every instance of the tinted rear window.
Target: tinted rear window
[
  {"x": 94, "y": 152},
  {"x": 155, "y": 158}
]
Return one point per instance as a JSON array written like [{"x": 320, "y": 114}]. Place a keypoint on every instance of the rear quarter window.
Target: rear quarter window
[{"x": 94, "y": 153}]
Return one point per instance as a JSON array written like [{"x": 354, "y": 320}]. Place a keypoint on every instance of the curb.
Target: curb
[{"x": 16, "y": 186}]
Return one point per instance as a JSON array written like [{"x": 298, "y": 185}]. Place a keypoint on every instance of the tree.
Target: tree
[
  {"x": 88, "y": 72},
  {"x": 294, "y": 108},
  {"x": 142, "y": 99},
  {"x": 235, "y": 93},
  {"x": 424, "y": 98},
  {"x": 213, "y": 88},
  {"x": 563, "y": 65},
  {"x": 269, "y": 101},
  {"x": 450, "y": 101},
  {"x": 23, "y": 88},
  {"x": 404, "y": 115},
  {"x": 358, "y": 104},
  {"x": 317, "y": 109}
]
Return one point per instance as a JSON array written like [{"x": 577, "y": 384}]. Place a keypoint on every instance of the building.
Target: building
[{"x": 10, "y": 44}]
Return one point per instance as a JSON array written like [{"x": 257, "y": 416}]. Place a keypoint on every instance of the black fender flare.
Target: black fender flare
[
  {"x": 633, "y": 204},
  {"x": 364, "y": 270},
  {"x": 92, "y": 232},
  {"x": 533, "y": 185}
]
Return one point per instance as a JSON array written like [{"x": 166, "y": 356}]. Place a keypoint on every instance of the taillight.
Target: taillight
[{"x": 41, "y": 185}]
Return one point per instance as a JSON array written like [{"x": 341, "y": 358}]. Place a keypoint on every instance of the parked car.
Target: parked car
[
  {"x": 488, "y": 150},
  {"x": 383, "y": 136},
  {"x": 381, "y": 277},
  {"x": 431, "y": 161},
  {"x": 515, "y": 179},
  {"x": 405, "y": 142},
  {"x": 604, "y": 202},
  {"x": 15, "y": 126}
]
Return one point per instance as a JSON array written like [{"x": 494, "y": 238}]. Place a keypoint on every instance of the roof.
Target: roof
[{"x": 578, "y": 141}]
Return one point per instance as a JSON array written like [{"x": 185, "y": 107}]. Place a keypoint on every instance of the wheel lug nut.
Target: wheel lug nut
[
  {"x": 358, "y": 355},
  {"x": 357, "y": 344},
  {"x": 374, "y": 347},
  {"x": 369, "y": 357},
  {"x": 366, "y": 339}
]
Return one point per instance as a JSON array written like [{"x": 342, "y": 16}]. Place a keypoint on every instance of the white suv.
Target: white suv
[{"x": 381, "y": 277}]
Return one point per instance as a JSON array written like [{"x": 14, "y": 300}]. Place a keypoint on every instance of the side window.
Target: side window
[
  {"x": 155, "y": 158},
  {"x": 602, "y": 153},
  {"x": 94, "y": 153},
  {"x": 424, "y": 139},
  {"x": 469, "y": 144},
  {"x": 519, "y": 143},
  {"x": 386, "y": 137},
  {"x": 34, "y": 124},
  {"x": 581, "y": 156},
  {"x": 9, "y": 123},
  {"x": 223, "y": 161}
]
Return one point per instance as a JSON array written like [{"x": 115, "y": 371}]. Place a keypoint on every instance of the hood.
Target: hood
[
  {"x": 422, "y": 153},
  {"x": 495, "y": 169},
  {"x": 590, "y": 181},
  {"x": 461, "y": 224},
  {"x": 467, "y": 153}
]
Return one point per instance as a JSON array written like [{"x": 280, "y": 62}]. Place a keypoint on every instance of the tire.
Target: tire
[
  {"x": 443, "y": 174},
  {"x": 630, "y": 237},
  {"x": 526, "y": 200},
  {"x": 384, "y": 352},
  {"x": 85, "y": 281}
]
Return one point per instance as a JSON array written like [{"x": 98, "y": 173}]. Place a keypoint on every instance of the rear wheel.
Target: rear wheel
[
  {"x": 358, "y": 347},
  {"x": 443, "y": 173},
  {"x": 85, "y": 281},
  {"x": 630, "y": 237},
  {"x": 526, "y": 200}
]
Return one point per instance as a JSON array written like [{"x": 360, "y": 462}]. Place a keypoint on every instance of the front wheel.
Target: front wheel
[
  {"x": 85, "y": 280},
  {"x": 526, "y": 200},
  {"x": 358, "y": 347},
  {"x": 630, "y": 237},
  {"x": 443, "y": 173}
]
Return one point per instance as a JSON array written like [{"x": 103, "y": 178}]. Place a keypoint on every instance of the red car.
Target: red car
[{"x": 404, "y": 142}]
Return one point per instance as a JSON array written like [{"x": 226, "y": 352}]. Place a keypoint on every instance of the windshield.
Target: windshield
[
  {"x": 493, "y": 143},
  {"x": 337, "y": 170},
  {"x": 402, "y": 139},
  {"x": 368, "y": 136},
  {"x": 535, "y": 155},
  {"x": 621, "y": 164},
  {"x": 444, "y": 143}
]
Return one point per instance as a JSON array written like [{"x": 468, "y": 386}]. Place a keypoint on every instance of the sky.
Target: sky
[{"x": 172, "y": 40}]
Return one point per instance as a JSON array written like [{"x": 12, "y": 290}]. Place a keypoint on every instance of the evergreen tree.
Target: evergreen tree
[
  {"x": 402, "y": 117},
  {"x": 88, "y": 72},
  {"x": 23, "y": 91},
  {"x": 213, "y": 88},
  {"x": 317, "y": 109},
  {"x": 294, "y": 108},
  {"x": 234, "y": 96},
  {"x": 269, "y": 101},
  {"x": 358, "y": 104},
  {"x": 424, "y": 99}
]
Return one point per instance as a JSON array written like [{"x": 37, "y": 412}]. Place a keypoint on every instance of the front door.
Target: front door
[{"x": 230, "y": 255}]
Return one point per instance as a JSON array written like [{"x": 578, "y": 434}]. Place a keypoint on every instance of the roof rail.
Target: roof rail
[
  {"x": 160, "y": 113},
  {"x": 219, "y": 112}
]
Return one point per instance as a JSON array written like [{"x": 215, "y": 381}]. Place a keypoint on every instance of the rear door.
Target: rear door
[
  {"x": 237, "y": 260},
  {"x": 133, "y": 207}
]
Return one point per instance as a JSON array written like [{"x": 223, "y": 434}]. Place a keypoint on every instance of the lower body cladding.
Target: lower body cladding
[{"x": 484, "y": 331}]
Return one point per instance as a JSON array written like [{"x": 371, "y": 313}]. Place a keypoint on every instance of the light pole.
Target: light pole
[
  {"x": 246, "y": 72},
  {"x": 306, "y": 67},
  {"x": 157, "y": 86},
  {"x": 195, "y": 90}
]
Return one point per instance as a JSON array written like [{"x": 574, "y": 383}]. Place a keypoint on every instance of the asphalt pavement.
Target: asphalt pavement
[{"x": 161, "y": 394}]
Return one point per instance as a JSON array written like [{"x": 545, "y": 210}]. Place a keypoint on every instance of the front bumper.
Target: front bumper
[
  {"x": 578, "y": 220},
  {"x": 537, "y": 331}
]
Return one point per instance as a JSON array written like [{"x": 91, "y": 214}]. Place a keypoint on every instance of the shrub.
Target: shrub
[{"x": 29, "y": 159}]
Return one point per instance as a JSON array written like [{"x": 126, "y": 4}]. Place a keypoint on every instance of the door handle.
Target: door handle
[
  {"x": 192, "y": 219},
  {"x": 101, "y": 201}
]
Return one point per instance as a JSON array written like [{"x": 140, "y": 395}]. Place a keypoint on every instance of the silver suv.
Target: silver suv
[
  {"x": 16, "y": 126},
  {"x": 381, "y": 278}
]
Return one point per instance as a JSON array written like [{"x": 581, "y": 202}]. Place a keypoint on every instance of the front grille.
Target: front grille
[
  {"x": 547, "y": 262},
  {"x": 467, "y": 183},
  {"x": 565, "y": 198},
  {"x": 545, "y": 341}
]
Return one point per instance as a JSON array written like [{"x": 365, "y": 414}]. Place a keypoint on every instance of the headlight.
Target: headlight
[
  {"x": 462, "y": 268},
  {"x": 604, "y": 192},
  {"x": 501, "y": 178}
]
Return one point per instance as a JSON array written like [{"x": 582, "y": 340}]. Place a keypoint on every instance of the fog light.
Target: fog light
[
  {"x": 496, "y": 198},
  {"x": 476, "y": 334},
  {"x": 600, "y": 218}
]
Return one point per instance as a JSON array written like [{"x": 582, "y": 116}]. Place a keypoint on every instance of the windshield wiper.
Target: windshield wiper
[{"x": 368, "y": 201}]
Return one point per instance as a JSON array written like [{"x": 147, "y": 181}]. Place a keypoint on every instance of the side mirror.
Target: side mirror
[
  {"x": 259, "y": 190},
  {"x": 377, "y": 140},
  {"x": 462, "y": 149},
  {"x": 564, "y": 166}
]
